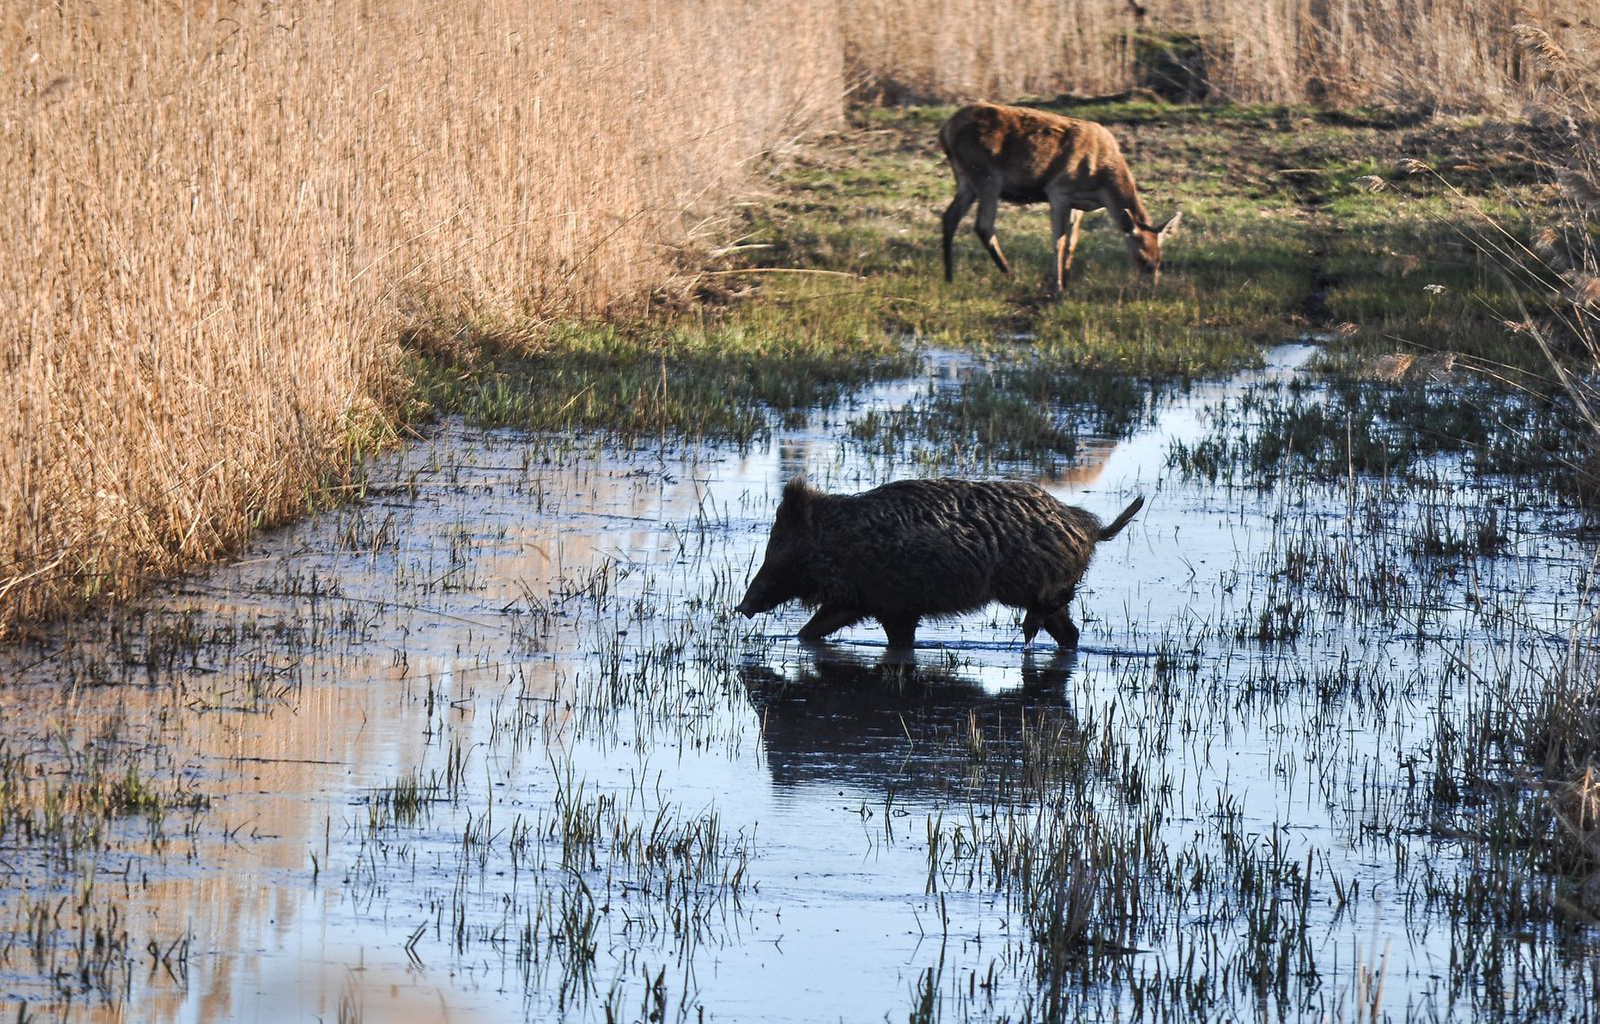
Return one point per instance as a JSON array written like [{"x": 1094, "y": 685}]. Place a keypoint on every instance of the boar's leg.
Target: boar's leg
[
  {"x": 901, "y": 629},
  {"x": 1060, "y": 626},
  {"x": 1039, "y": 618},
  {"x": 830, "y": 618}
]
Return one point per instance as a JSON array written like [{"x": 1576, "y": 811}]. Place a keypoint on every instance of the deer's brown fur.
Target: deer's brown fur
[{"x": 1022, "y": 155}]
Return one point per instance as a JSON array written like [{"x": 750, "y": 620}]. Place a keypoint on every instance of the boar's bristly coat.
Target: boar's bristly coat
[{"x": 928, "y": 548}]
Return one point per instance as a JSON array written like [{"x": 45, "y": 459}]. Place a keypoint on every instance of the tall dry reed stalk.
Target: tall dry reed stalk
[
  {"x": 217, "y": 218},
  {"x": 1561, "y": 268},
  {"x": 1342, "y": 52}
]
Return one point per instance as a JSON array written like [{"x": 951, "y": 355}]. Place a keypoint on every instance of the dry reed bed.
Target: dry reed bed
[
  {"x": 217, "y": 220},
  {"x": 1458, "y": 55}
]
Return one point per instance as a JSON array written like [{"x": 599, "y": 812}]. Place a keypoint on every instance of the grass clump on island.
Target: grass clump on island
[{"x": 726, "y": 376}]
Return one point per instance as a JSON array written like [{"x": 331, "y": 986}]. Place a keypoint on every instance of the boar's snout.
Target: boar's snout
[
  {"x": 785, "y": 572},
  {"x": 757, "y": 599}
]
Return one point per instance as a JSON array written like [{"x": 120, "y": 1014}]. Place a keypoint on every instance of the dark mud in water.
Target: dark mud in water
[{"x": 489, "y": 745}]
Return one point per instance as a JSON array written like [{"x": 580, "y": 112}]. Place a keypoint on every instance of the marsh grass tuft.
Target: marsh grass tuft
[
  {"x": 714, "y": 380},
  {"x": 1398, "y": 430}
]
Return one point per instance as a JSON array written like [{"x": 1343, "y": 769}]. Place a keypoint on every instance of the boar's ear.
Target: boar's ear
[{"x": 796, "y": 504}]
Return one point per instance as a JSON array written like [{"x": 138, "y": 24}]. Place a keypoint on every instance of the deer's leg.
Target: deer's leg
[
  {"x": 830, "y": 618},
  {"x": 1060, "y": 212},
  {"x": 1064, "y": 223},
  {"x": 988, "y": 207},
  {"x": 953, "y": 213},
  {"x": 1076, "y": 219}
]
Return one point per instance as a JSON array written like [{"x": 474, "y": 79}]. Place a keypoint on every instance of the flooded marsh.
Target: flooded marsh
[{"x": 489, "y": 744}]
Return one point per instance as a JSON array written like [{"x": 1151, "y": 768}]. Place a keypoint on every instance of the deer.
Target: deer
[{"x": 1023, "y": 155}]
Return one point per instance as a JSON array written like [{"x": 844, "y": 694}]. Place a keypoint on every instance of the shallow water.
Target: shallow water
[{"x": 490, "y": 745}]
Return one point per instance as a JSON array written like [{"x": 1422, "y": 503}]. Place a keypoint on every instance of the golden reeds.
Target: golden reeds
[
  {"x": 995, "y": 49},
  {"x": 1340, "y": 52},
  {"x": 216, "y": 220}
]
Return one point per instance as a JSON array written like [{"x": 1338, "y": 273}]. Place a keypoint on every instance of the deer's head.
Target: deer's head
[{"x": 1144, "y": 243}]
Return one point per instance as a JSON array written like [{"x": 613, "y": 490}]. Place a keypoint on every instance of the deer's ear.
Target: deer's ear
[
  {"x": 1138, "y": 225},
  {"x": 1170, "y": 227}
]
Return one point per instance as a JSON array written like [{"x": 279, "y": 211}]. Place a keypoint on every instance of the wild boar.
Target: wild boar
[{"x": 924, "y": 549}]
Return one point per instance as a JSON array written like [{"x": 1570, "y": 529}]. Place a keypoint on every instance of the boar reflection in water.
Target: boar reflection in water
[
  {"x": 928, "y": 548},
  {"x": 832, "y": 719}
]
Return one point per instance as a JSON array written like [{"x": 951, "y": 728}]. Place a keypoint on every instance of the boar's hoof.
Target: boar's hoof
[
  {"x": 902, "y": 632},
  {"x": 1061, "y": 627}
]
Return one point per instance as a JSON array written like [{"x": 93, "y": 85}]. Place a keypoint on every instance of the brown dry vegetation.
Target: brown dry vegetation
[
  {"x": 1563, "y": 725},
  {"x": 1341, "y": 52},
  {"x": 218, "y": 219}
]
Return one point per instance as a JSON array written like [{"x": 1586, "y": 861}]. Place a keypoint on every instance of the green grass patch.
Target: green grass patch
[
  {"x": 834, "y": 280},
  {"x": 1390, "y": 430},
  {"x": 727, "y": 380}
]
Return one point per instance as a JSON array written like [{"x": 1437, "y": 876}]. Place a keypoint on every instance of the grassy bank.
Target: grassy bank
[{"x": 1359, "y": 231}]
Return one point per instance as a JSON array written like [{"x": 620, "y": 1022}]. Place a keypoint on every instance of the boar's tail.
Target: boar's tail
[{"x": 1107, "y": 532}]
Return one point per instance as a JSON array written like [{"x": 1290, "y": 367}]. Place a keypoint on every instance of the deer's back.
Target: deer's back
[{"x": 1027, "y": 149}]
